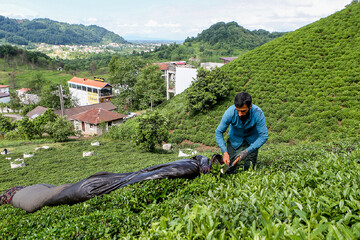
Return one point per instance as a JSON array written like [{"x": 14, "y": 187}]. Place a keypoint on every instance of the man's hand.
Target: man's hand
[
  {"x": 240, "y": 156},
  {"x": 226, "y": 158}
]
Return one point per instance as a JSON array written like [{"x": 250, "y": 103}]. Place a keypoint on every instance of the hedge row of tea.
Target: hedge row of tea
[
  {"x": 306, "y": 82},
  {"x": 304, "y": 191}
]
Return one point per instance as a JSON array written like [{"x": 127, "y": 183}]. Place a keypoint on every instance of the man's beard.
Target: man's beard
[{"x": 245, "y": 117}]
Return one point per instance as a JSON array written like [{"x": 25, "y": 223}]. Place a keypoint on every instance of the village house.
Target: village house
[
  {"x": 87, "y": 91},
  {"x": 4, "y": 94},
  {"x": 26, "y": 97},
  {"x": 96, "y": 121}
]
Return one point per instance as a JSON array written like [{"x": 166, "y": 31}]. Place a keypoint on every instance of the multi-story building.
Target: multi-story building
[{"x": 86, "y": 91}]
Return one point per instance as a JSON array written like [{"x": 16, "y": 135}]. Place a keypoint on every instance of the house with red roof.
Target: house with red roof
[
  {"x": 26, "y": 97},
  {"x": 96, "y": 121},
  {"x": 87, "y": 91}
]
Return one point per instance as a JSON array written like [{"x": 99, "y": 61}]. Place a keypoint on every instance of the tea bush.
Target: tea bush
[{"x": 302, "y": 191}]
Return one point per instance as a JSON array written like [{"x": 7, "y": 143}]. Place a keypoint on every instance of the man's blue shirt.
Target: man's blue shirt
[{"x": 254, "y": 131}]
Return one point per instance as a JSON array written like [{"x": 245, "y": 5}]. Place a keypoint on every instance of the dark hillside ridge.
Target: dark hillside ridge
[
  {"x": 221, "y": 39},
  {"x": 306, "y": 82},
  {"x": 234, "y": 35},
  {"x": 42, "y": 30}
]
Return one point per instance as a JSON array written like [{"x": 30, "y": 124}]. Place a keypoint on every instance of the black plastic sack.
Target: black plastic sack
[{"x": 105, "y": 182}]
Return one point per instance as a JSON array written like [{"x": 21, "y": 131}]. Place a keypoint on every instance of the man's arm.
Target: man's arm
[
  {"x": 219, "y": 135},
  {"x": 263, "y": 134}
]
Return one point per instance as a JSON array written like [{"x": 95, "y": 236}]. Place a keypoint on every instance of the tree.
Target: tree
[
  {"x": 49, "y": 97},
  {"x": 209, "y": 88},
  {"x": 36, "y": 83},
  {"x": 152, "y": 129},
  {"x": 60, "y": 129},
  {"x": 25, "y": 127},
  {"x": 150, "y": 86},
  {"x": 40, "y": 121},
  {"x": 5, "y": 125},
  {"x": 123, "y": 73},
  {"x": 92, "y": 67}
]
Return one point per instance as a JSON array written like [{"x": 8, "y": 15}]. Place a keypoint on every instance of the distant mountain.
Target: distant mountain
[
  {"x": 43, "y": 30},
  {"x": 221, "y": 39},
  {"x": 231, "y": 34}
]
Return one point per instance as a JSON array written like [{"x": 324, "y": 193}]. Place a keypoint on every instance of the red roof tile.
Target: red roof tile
[
  {"x": 4, "y": 86},
  {"x": 89, "y": 82},
  {"x": 163, "y": 66},
  {"x": 24, "y": 90},
  {"x": 97, "y": 115}
]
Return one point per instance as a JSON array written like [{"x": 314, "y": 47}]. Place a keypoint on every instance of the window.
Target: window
[
  {"x": 89, "y": 89},
  {"x": 78, "y": 87},
  {"x": 83, "y": 88},
  {"x": 95, "y": 90}
]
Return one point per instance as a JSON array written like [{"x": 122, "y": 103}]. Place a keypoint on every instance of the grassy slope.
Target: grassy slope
[
  {"x": 292, "y": 181},
  {"x": 306, "y": 82}
]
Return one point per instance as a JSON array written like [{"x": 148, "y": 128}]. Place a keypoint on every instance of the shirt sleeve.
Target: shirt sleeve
[
  {"x": 224, "y": 124},
  {"x": 263, "y": 134}
]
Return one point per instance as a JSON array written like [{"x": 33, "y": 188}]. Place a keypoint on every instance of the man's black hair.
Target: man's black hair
[{"x": 242, "y": 98}]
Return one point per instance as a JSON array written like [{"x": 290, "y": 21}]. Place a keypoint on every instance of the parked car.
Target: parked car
[{"x": 130, "y": 115}]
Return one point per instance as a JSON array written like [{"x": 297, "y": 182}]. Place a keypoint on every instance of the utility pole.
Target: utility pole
[{"x": 61, "y": 100}]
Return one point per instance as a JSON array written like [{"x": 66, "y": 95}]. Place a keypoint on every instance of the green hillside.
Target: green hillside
[
  {"x": 231, "y": 35},
  {"x": 42, "y": 30},
  {"x": 219, "y": 40},
  {"x": 306, "y": 82}
]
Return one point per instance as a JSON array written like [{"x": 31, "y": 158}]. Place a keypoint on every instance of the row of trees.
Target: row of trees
[{"x": 49, "y": 123}]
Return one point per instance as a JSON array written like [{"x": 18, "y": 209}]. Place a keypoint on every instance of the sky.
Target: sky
[{"x": 174, "y": 20}]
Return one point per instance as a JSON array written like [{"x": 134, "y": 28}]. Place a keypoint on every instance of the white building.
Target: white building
[
  {"x": 211, "y": 65},
  {"x": 184, "y": 78},
  {"x": 178, "y": 76},
  {"x": 87, "y": 91},
  {"x": 4, "y": 94}
]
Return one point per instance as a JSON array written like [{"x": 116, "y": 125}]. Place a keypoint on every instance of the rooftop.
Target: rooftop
[
  {"x": 97, "y": 115},
  {"x": 76, "y": 110},
  {"x": 36, "y": 112},
  {"x": 88, "y": 82}
]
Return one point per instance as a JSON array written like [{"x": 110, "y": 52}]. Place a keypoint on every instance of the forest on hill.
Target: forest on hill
[
  {"x": 219, "y": 40},
  {"x": 42, "y": 30},
  {"x": 306, "y": 82}
]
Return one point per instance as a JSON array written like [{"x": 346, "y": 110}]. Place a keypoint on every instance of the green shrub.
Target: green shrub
[
  {"x": 151, "y": 130},
  {"x": 124, "y": 131}
]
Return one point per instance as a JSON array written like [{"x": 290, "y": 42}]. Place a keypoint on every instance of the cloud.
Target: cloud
[
  {"x": 180, "y": 19},
  {"x": 153, "y": 23},
  {"x": 91, "y": 20},
  {"x": 17, "y": 12}
]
